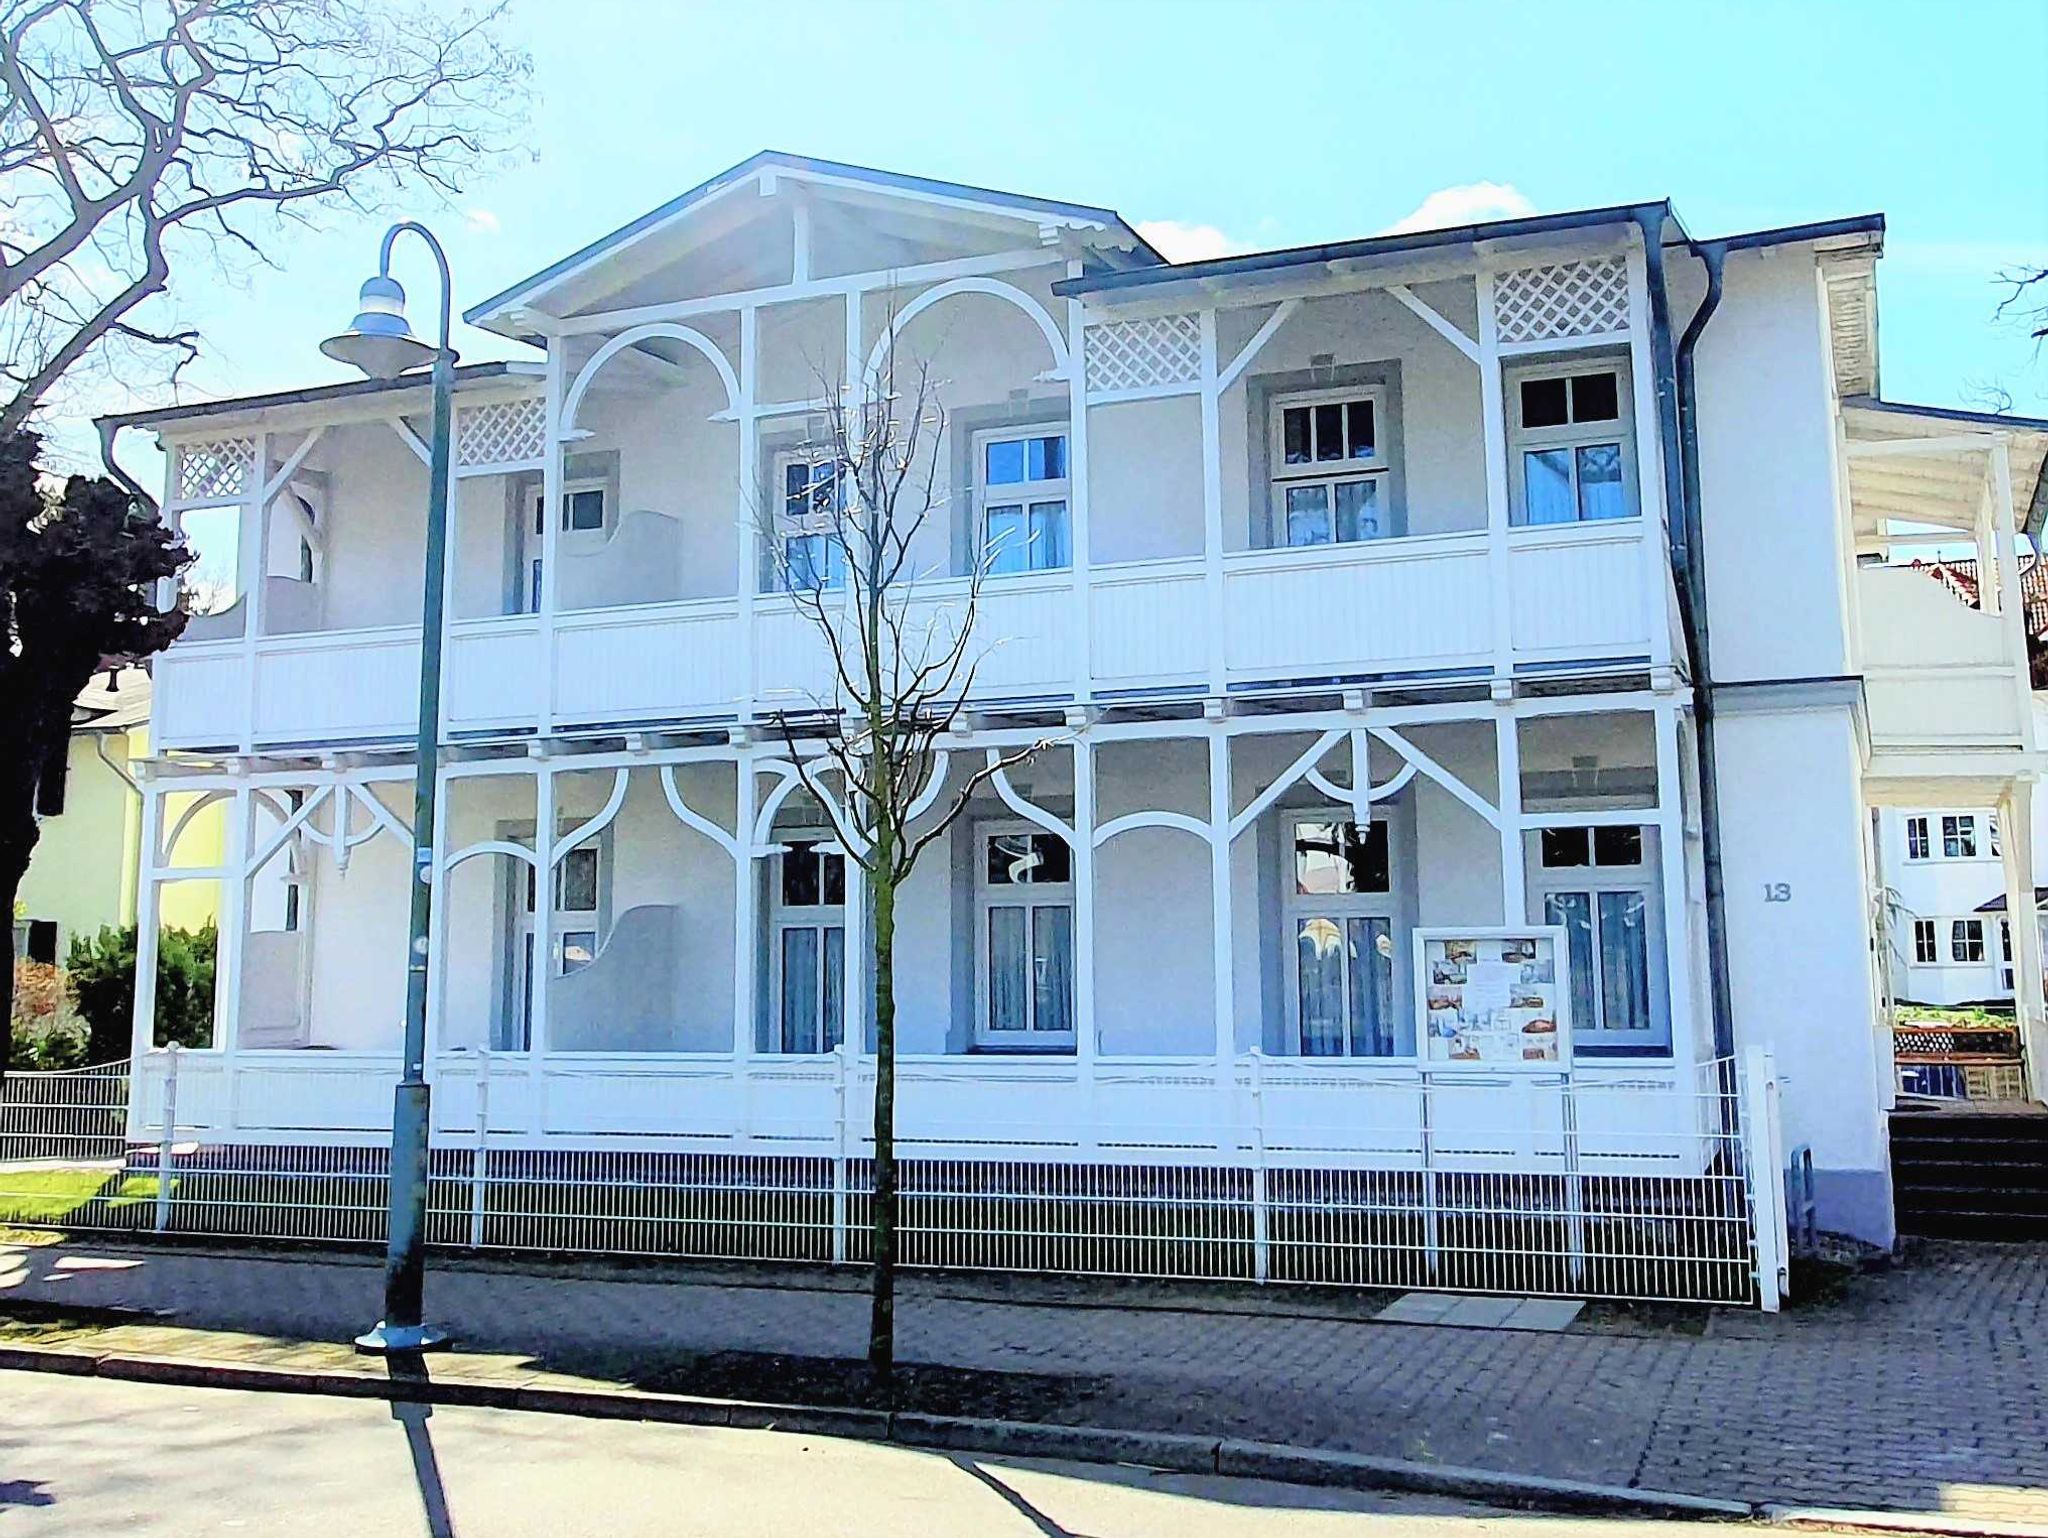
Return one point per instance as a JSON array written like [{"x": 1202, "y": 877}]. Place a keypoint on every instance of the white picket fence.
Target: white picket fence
[{"x": 1571, "y": 1186}]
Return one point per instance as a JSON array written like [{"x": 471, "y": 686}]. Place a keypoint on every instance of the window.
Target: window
[
  {"x": 578, "y": 930},
  {"x": 1025, "y": 938},
  {"x": 807, "y": 927},
  {"x": 1599, "y": 884},
  {"x": 1991, "y": 836},
  {"x": 1571, "y": 450},
  {"x": 1926, "y": 950},
  {"x": 1024, "y": 489},
  {"x": 585, "y": 523},
  {"x": 1917, "y": 847},
  {"x": 1340, "y": 924},
  {"x": 1329, "y": 472},
  {"x": 1966, "y": 940},
  {"x": 814, "y": 496},
  {"x": 1958, "y": 836}
]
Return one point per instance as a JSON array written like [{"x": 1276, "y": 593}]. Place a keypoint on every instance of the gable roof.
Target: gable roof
[{"x": 806, "y": 167}]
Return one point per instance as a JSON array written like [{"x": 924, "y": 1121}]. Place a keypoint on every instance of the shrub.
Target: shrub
[
  {"x": 103, "y": 983},
  {"x": 47, "y": 1031}
]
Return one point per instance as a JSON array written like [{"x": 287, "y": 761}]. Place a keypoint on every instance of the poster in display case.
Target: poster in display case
[{"x": 1494, "y": 998}]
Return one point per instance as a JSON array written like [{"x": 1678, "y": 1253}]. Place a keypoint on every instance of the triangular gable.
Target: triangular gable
[{"x": 734, "y": 232}]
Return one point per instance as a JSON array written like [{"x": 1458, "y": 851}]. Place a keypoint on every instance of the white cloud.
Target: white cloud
[
  {"x": 482, "y": 220},
  {"x": 1471, "y": 203},
  {"x": 1179, "y": 242}
]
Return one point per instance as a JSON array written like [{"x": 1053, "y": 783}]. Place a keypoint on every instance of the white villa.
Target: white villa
[{"x": 1467, "y": 661}]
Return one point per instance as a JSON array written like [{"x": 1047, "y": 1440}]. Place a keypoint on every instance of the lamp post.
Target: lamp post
[{"x": 381, "y": 344}]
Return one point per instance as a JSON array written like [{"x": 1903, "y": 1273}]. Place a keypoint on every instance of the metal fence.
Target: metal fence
[{"x": 1566, "y": 1187}]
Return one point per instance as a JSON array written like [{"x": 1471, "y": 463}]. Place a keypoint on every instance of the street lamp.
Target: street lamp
[{"x": 381, "y": 344}]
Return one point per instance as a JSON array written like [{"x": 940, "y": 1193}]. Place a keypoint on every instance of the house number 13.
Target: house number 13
[{"x": 1777, "y": 891}]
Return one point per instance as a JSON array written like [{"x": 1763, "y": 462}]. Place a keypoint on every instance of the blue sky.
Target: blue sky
[{"x": 1241, "y": 125}]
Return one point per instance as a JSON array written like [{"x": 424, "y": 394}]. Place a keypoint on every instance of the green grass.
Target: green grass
[{"x": 55, "y": 1196}]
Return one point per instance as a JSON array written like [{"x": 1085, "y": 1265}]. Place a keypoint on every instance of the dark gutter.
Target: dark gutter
[
  {"x": 1679, "y": 428},
  {"x": 468, "y": 373},
  {"x": 1800, "y": 234},
  {"x": 1350, "y": 250}
]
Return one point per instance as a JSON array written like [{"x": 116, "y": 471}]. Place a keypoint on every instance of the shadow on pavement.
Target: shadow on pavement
[{"x": 413, "y": 1415}]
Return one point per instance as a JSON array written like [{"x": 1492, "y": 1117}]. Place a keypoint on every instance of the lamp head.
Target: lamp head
[{"x": 378, "y": 341}]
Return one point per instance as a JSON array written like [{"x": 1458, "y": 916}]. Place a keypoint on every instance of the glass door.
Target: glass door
[
  {"x": 578, "y": 881},
  {"x": 807, "y": 940}
]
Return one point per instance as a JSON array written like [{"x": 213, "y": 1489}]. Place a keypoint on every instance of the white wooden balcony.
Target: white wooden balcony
[{"x": 1365, "y": 611}]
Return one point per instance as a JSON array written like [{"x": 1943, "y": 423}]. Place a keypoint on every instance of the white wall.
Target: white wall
[{"x": 1799, "y": 969}]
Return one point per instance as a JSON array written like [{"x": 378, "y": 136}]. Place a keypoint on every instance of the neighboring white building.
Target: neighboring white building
[
  {"x": 1366, "y": 595},
  {"x": 1943, "y": 882}
]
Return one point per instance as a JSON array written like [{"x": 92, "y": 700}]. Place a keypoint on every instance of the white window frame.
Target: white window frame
[
  {"x": 1030, "y": 896},
  {"x": 1024, "y": 494},
  {"x": 533, "y": 537},
  {"x": 1918, "y": 830},
  {"x": 1644, "y": 880},
  {"x": 1926, "y": 943},
  {"x": 1328, "y": 473},
  {"x": 822, "y": 917},
  {"x": 1959, "y": 829},
  {"x": 1966, "y": 933},
  {"x": 1298, "y": 906},
  {"x": 596, "y": 922},
  {"x": 1570, "y": 435},
  {"x": 788, "y": 527}
]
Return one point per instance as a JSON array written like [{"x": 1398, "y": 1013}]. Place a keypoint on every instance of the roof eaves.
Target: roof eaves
[
  {"x": 753, "y": 165},
  {"x": 1371, "y": 246},
  {"x": 2035, "y": 518},
  {"x": 467, "y": 373}
]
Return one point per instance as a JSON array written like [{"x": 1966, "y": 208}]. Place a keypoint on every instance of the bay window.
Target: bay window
[{"x": 1330, "y": 483}]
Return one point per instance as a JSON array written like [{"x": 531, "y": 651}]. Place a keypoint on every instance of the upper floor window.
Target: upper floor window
[
  {"x": 1966, "y": 940},
  {"x": 810, "y": 552},
  {"x": 1329, "y": 470},
  {"x": 586, "y": 522},
  {"x": 1962, "y": 836},
  {"x": 1024, "y": 491},
  {"x": 1571, "y": 453}
]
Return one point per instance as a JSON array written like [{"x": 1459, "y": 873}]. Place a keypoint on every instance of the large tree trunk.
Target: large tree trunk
[
  {"x": 18, "y": 833},
  {"x": 882, "y": 1319}
]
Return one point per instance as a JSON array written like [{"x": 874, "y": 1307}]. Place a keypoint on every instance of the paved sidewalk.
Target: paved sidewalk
[{"x": 1925, "y": 1388}]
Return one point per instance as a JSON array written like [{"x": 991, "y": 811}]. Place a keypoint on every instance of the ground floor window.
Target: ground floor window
[
  {"x": 1340, "y": 930},
  {"x": 1966, "y": 940},
  {"x": 807, "y": 947},
  {"x": 1600, "y": 885},
  {"x": 1024, "y": 907}
]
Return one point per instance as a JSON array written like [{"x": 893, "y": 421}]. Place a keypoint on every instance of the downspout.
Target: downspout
[{"x": 1678, "y": 424}]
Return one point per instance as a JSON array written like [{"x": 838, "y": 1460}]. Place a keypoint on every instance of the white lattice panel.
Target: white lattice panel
[
  {"x": 217, "y": 469},
  {"x": 1538, "y": 304},
  {"x": 1138, "y": 354},
  {"x": 500, "y": 433}
]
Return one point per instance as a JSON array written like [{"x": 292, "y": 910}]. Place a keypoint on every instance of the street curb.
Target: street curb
[
  {"x": 1174, "y": 1451},
  {"x": 1942, "y": 1523}
]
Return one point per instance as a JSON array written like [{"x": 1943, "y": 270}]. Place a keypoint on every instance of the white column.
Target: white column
[
  {"x": 1077, "y": 497},
  {"x": 1212, "y": 503},
  {"x": 1656, "y": 516},
  {"x": 1507, "y": 743},
  {"x": 249, "y": 545},
  {"x": 1221, "y": 920},
  {"x": 1679, "y": 961},
  {"x": 148, "y": 901},
  {"x": 234, "y": 909},
  {"x": 745, "y": 944},
  {"x": 2016, "y": 852},
  {"x": 2012, "y": 604},
  {"x": 1087, "y": 1034},
  {"x": 550, "y": 531},
  {"x": 544, "y": 833},
  {"x": 1493, "y": 428},
  {"x": 750, "y": 515}
]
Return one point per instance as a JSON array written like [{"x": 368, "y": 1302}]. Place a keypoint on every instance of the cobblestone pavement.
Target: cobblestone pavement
[{"x": 1922, "y": 1388}]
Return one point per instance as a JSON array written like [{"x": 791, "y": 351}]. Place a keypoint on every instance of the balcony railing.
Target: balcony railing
[{"x": 1363, "y": 611}]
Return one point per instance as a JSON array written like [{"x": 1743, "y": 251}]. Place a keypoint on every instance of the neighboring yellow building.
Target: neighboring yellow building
[{"x": 88, "y": 857}]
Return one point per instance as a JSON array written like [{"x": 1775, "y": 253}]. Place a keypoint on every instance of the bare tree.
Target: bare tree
[
  {"x": 139, "y": 136},
  {"x": 2026, "y": 299},
  {"x": 903, "y": 665}
]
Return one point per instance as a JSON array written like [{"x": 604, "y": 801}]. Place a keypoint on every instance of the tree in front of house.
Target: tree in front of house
[
  {"x": 80, "y": 570},
  {"x": 903, "y": 662}
]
